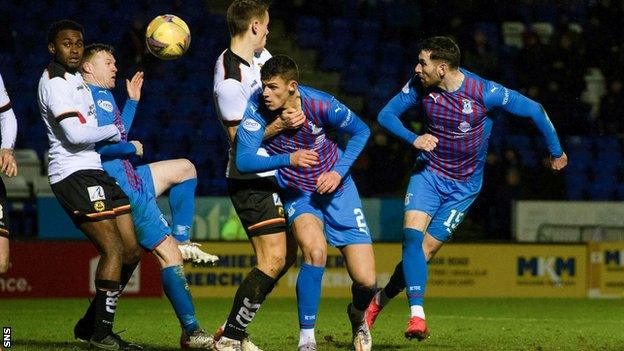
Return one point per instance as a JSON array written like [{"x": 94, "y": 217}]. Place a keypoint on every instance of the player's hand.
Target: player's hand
[
  {"x": 8, "y": 165},
  {"x": 304, "y": 158},
  {"x": 134, "y": 86},
  {"x": 558, "y": 163},
  {"x": 426, "y": 142},
  {"x": 292, "y": 118},
  {"x": 139, "y": 147},
  {"x": 328, "y": 182}
]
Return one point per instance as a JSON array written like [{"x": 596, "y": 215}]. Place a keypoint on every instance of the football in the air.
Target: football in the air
[{"x": 167, "y": 37}]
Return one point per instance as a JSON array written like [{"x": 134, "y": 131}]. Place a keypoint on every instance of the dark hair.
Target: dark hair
[
  {"x": 92, "y": 49},
  {"x": 61, "y": 25},
  {"x": 443, "y": 49},
  {"x": 241, "y": 12},
  {"x": 280, "y": 66}
]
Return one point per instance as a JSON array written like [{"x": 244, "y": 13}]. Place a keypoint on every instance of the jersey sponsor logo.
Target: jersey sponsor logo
[
  {"x": 434, "y": 97},
  {"x": 251, "y": 125},
  {"x": 105, "y": 105},
  {"x": 347, "y": 119},
  {"x": 99, "y": 206},
  {"x": 467, "y": 106},
  {"x": 465, "y": 126},
  {"x": 96, "y": 193},
  {"x": 247, "y": 312}
]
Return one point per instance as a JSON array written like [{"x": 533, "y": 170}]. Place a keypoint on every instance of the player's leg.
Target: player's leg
[
  {"x": 88, "y": 199},
  {"x": 308, "y": 231},
  {"x": 262, "y": 215},
  {"x": 346, "y": 228},
  {"x": 181, "y": 177},
  {"x": 4, "y": 231},
  {"x": 4, "y": 253}
]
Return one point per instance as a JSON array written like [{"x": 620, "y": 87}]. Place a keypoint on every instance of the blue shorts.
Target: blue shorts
[
  {"x": 149, "y": 223},
  {"x": 446, "y": 200},
  {"x": 341, "y": 213}
]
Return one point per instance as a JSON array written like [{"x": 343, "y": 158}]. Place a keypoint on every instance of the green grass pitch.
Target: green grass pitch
[{"x": 456, "y": 324}]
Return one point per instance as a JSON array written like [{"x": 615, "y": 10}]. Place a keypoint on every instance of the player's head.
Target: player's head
[
  {"x": 249, "y": 17},
  {"x": 65, "y": 43},
  {"x": 437, "y": 57},
  {"x": 279, "y": 77},
  {"x": 98, "y": 65}
]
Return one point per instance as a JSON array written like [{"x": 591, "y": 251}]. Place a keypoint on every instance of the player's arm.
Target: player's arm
[
  {"x": 8, "y": 130},
  {"x": 72, "y": 123},
  {"x": 232, "y": 104},
  {"x": 390, "y": 116},
  {"x": 498, "y": 96},
  {"x": 249, "y": 139},
  {"x": 346, "y": 122},
  {"x": 133, "y": 86}
]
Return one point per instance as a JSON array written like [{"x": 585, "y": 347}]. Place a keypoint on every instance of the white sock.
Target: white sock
[
  {"x": 417, "y": 311},
  {"x": 305, "y": 336}
]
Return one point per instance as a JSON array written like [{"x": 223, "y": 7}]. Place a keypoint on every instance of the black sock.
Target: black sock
[
  {"x": 126, "y": 273},
  {"x": 396, "y": 283},
  {"x": 362, "y": 295},
  {"x": 105, "y": 305},
  {"x": 249, "y": 296}
]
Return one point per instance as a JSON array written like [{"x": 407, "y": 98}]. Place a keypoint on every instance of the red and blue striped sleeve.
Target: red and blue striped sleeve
[{"x": 345, "y": 121}]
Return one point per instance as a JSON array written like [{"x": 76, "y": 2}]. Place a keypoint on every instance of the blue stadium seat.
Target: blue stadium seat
[
  {"x": 310, "y": 32},
  {"x": 576, "y": 183},
  {"x": 339, "y": 30}
]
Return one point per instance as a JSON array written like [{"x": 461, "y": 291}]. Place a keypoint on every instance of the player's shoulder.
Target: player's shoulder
[
  {"x": 231, "y": 66},
  {"x": 56, "y": 70},
  {"x": 474, "y": 78},
  {"x": 312, "y": 93}
]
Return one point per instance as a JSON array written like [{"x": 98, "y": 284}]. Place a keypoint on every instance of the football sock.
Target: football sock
[
  {"x": 177, "y": 291},
  {"x": 308, "y": 295},
  {"x": 395, "y": 285},
  {"x": 414, "y": 266},
  {"x": 182, "y": 203},
  {"x": 247, "y": 301},
  {"x": 306, "y": 335},
  {"x": 417, "y": 311},
  {"x": 126, "y": 273},
  {"x": 362, "y": 297},
  {"x": 106, "y": 295}
]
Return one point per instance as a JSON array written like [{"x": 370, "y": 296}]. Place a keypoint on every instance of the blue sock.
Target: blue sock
[
  {"x": 414, "y": 266},
  {"x": 308, "y": 294},
  {"x": 182, "y": 203},
  {"x": 177, "y": 291}
]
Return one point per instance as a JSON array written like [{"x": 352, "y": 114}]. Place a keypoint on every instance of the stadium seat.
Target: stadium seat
[
  {"x": 41, "y": 186},
  {"x": 310, "y": 32},
  {"x": 16, "y": 187},
  {"x": 544, "y": 30},
  {"x": 601, "y": 190},
  {"x": 512, "y": 34}
]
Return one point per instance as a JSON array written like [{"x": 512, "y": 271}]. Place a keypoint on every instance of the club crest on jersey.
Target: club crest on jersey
[
  {"x": 467, "y": 108},
  {"x": 105, "y": 105},
  {"x": 315, "y": 129},
  {"x": 99, "y": 206},
  {"x": 465, "y": 126},
  {"x": 96, "y": 193}
]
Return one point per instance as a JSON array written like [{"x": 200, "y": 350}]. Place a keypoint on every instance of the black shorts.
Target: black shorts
[
  {"x": 258, "y": 205},
  {"x": 4, "y": 211},
  {"x": 91, "y": 196}
]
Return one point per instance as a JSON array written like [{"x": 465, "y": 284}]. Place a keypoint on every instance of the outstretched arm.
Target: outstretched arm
[
  {"x": 390, "y": 116},
  {"x": 513, "y": 102}
]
